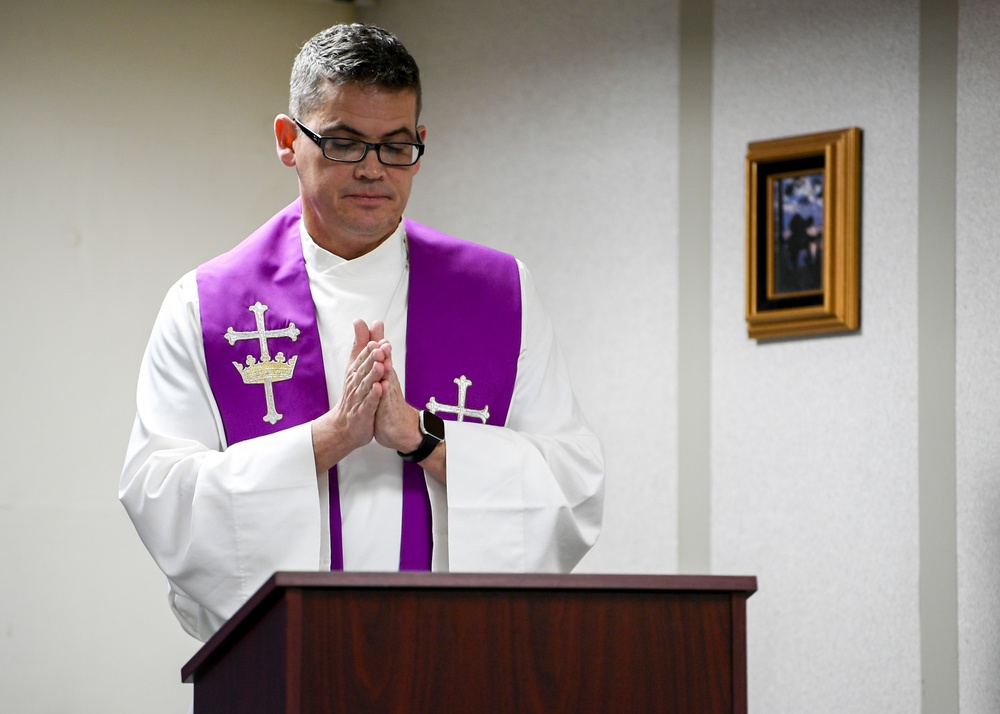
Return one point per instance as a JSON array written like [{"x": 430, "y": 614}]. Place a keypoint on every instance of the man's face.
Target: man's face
[{"x": 350, "y": 208}]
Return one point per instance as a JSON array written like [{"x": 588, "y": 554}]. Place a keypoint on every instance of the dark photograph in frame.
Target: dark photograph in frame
[
  {"x": 803, "y": 246},
  {"x": 795, "y": 253}
]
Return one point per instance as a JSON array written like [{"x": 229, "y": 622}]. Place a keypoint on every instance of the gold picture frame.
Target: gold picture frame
[{"x": 803, "y": 234}]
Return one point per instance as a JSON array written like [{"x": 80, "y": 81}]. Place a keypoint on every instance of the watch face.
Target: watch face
[{"x": 432, "y": 424}]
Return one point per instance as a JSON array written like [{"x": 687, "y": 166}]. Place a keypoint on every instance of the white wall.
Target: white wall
[
  {"x": 814, "y": 470},
  {"x": 978, "y": 355}
]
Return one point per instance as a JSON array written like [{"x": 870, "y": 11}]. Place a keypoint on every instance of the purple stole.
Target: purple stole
[{"x": 265, "y": 361}]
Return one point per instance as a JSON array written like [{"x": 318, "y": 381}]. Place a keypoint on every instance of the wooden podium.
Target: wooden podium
[{"x": 422, "y": 642}]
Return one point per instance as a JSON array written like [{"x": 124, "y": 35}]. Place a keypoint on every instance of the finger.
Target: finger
[
  {"x": 367, "y": 373},
  {"x": 386, "y": 349},
  {"x": 366, "y": 395},
  {"x": 379, "y": 351},
  {"x": 362, "y": 359},
  {"x": 378, "y": 331}
]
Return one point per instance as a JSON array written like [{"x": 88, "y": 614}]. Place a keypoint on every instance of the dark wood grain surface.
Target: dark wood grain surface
[{"x": 404, "y": 642}]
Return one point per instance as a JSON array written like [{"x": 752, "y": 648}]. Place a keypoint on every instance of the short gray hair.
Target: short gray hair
[{"x": 350, "y": 53}]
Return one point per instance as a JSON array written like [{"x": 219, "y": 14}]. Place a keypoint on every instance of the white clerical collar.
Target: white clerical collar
[{"x": 390, "y": 255}]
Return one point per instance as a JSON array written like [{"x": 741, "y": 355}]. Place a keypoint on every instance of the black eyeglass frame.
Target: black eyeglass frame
[{"x": 369, "y": 146}]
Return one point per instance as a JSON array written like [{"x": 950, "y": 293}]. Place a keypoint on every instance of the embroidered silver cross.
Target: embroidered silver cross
[
  {"x": 267, "y": 370},
  {"x": 433, "y": 406}
]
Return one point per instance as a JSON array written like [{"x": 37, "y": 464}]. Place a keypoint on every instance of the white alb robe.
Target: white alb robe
[{"x": 220, "y": 519}]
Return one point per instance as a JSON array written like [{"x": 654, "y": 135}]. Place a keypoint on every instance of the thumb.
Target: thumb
[{"x": 361, "y": 337}]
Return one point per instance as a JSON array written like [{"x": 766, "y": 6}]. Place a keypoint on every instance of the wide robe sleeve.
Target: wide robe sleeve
[
  {"x": 529, "y": 496},
  {"x": 217, "y": 521}
]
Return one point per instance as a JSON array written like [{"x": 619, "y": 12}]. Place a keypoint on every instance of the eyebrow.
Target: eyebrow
[{"x": 346, "y": 128}]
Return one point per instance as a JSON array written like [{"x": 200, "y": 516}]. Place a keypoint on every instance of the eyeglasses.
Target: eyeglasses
[{"x": 352, "y": 151}]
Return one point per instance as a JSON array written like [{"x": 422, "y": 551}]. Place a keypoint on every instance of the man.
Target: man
[{"x": 292, "y": 400}]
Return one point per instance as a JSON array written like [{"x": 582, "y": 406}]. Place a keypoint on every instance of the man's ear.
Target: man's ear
[
  {"x": 285, "y": 132},
  {"x": 422, "y": 133}
]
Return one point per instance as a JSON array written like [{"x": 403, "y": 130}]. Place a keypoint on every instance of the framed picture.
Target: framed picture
[{"x": 803, "y": 225}]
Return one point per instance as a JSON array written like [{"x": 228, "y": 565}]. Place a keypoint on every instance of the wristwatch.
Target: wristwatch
[{"x": 432, "y": 429}]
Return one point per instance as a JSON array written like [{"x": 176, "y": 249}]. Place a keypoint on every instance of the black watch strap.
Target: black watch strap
[{"x": 432, "y": 428}]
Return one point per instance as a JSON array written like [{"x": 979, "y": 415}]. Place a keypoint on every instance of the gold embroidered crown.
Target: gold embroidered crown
[{"x": 265, "y": 371}]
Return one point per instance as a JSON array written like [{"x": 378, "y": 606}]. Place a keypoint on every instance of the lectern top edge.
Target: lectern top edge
[
  {"x": 530, "y": 581},
  {"x": 280, "y": 581}
]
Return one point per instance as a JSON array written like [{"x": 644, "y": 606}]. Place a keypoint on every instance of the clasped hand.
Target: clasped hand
[{"x": 371, "y": 405}]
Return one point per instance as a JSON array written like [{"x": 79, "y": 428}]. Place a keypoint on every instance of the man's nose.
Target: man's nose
[{"x": 369, "y": 167}]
